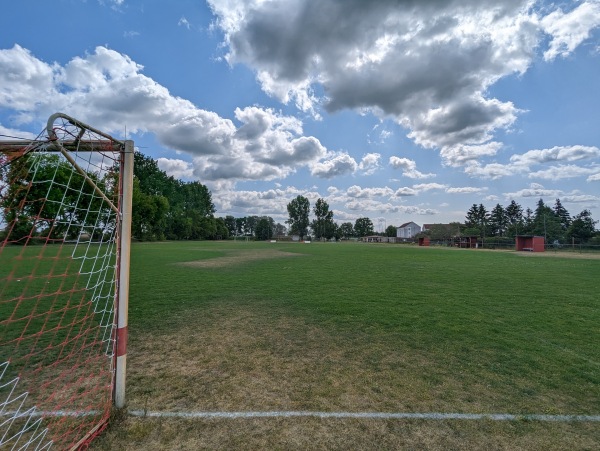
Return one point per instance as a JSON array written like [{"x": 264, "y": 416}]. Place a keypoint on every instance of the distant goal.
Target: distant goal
[{"x": 65, "y": 221}]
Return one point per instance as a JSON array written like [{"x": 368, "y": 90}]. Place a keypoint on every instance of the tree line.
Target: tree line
[{"x": 552, "y": 222}]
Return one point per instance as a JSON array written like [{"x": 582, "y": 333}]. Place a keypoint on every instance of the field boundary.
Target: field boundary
[{"x": 368, "y": 415}]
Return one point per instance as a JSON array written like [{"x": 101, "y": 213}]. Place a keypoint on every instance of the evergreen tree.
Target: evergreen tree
[
  {"x": 562, "y": 214},
  {"x": 498, "y": 221},
  {"x": 514, "y": 216},
  {"x": 546, "y": 223}
]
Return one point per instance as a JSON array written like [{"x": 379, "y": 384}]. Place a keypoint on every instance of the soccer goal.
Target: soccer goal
[{"x": 65, "y": 222}]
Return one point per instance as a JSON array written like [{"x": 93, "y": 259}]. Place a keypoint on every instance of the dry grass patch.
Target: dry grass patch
[
  {"x": 237, "y": 257},
  {"x": 345, "y": 434}
]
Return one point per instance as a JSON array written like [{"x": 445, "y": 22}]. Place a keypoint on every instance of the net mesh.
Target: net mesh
[{"x": 59, "y": 200}]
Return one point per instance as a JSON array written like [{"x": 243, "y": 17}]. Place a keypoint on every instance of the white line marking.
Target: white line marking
[
  {"x": 371, "y": 415},
  {"x": 305, "y": 413}
]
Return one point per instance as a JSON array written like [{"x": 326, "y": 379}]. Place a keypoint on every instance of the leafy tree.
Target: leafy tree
[
  {"x": 280, "y": 229},
  {"x": 443, "y": 231},
  {"x": 346, "y": 230},
  {"x": 391, "y": 231},
  {"x": 498, "y": 221},
  {"x": 149, "y": 213},
  {"x": 298, "y": 210},
  {"x": 222, "y": 229},
  {"x": 323, "y": 226},
  {"x": 46, "y": 207},
  {"x": 363, "y": 227},
  {"x": 231, "y": 225},
  {"x": 582, "y": 227},
  {"x": 264, "y": 229}
]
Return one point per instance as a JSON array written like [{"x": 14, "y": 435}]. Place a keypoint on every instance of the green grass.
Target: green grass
[
  {"x": 359, "y": 327},
  {"x": 519, "y": 334}
]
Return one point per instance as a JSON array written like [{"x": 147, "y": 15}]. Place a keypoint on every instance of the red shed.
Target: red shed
[
  {"x": 530, "y": 243},
  {"x": 424, "y": 241}
]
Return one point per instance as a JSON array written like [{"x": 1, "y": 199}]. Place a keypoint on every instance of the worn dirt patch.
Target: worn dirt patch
[{"x": 239, "y": 256}]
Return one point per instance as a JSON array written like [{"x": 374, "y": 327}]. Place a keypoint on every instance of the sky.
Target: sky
[{"x": 396, "y": 110}]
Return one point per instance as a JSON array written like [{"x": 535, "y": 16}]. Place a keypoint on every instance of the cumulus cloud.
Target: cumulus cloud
[
  {"x": 534, "y": 190},
  {"x": 429, "y": 186},
  {"x": 108, "y": 89},
  {"x": 556, "y": 154},
  {"x": 408, "y": 167},
  {"x": 569, "y": 30},
  {"x": 370, "y": 163},
  {"x": 562, "y": 172},
  {"x": 337, "y": 165},
  {"x": 379, "y": 57},
  {"x": 176, "y": 168},
  {"x": 594, "y": 178}
]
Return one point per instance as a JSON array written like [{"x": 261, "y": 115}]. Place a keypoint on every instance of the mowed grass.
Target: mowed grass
[{"x": 359, "y": 328}]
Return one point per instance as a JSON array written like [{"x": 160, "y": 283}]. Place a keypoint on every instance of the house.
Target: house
[{"x": 407, "y": 230}]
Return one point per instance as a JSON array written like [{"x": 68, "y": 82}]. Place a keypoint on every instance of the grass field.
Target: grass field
[{"x": 224, "y": 326}]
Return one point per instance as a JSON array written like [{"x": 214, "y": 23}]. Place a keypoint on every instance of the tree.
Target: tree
[
  {"x": 263, "y": 230},
  {"x": 498, "y": 221},
  {"x": 562, "y": 214},
  {"x": 514, "y": 216},
  {"x": 52, "y": 206},
  {"x": 477, "y": 219},
  {"x": 231, "y": 225},
  {"x": 346, "y": 230},
  {"x": 363, "y": 227},
  {"x": 391, "y": 231},
  {"x": 546, "y": 223},
  {"x": 582, "y": 227},
  {"x": 298, "y": 210},
  {"x": 280, "y": 229},
  {"x": 323, "y": 226}
]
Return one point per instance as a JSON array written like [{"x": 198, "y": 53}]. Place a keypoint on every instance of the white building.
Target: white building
[{"x": 408, "y": 230}]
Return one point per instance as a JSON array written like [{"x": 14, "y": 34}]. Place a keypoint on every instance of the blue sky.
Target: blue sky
[{"x": 398, "y": 110}]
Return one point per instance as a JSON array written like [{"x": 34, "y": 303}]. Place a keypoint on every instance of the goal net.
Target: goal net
[{"x": 65, "y": 204}]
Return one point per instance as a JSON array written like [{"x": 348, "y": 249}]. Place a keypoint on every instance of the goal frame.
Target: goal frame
[{"x": 123, "y": 211}]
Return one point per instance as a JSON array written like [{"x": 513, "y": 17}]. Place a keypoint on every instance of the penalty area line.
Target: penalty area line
[{"x": 370, "y": 415}]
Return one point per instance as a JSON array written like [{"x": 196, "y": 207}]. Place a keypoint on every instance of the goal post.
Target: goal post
[{"x": 65, "y": 231}]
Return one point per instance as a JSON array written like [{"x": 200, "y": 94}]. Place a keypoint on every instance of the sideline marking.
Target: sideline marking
[{"x": 371, "y": 415}]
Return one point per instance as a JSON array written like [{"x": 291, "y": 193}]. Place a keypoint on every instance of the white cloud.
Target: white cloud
[
  {"x": 556, "y": 154},
  {"x": 471, "y": 45},
  {"x": 429, "y": 186},
  {"x": 107, "y": 89},
  {"x": 405, "y": 191},
  {"x": 356, "y": 191},
  {"x": 408, "y": 167},
  {"x": 492, "y": 171},
  {"x": 176, "y": 168},
  {"x": 338, "y": 165},
  {"x": 183, "y": 22},
  {"x": 594, "y": 178},
  {"x": 562, "y": 172},
  {"x": 569, "y": 30},
  {"x": 576, "y": 198},
  {"x": 370, "y": 163},
  {"x": 466, "y": 190},
  {"x": 534, "y": 190}
]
